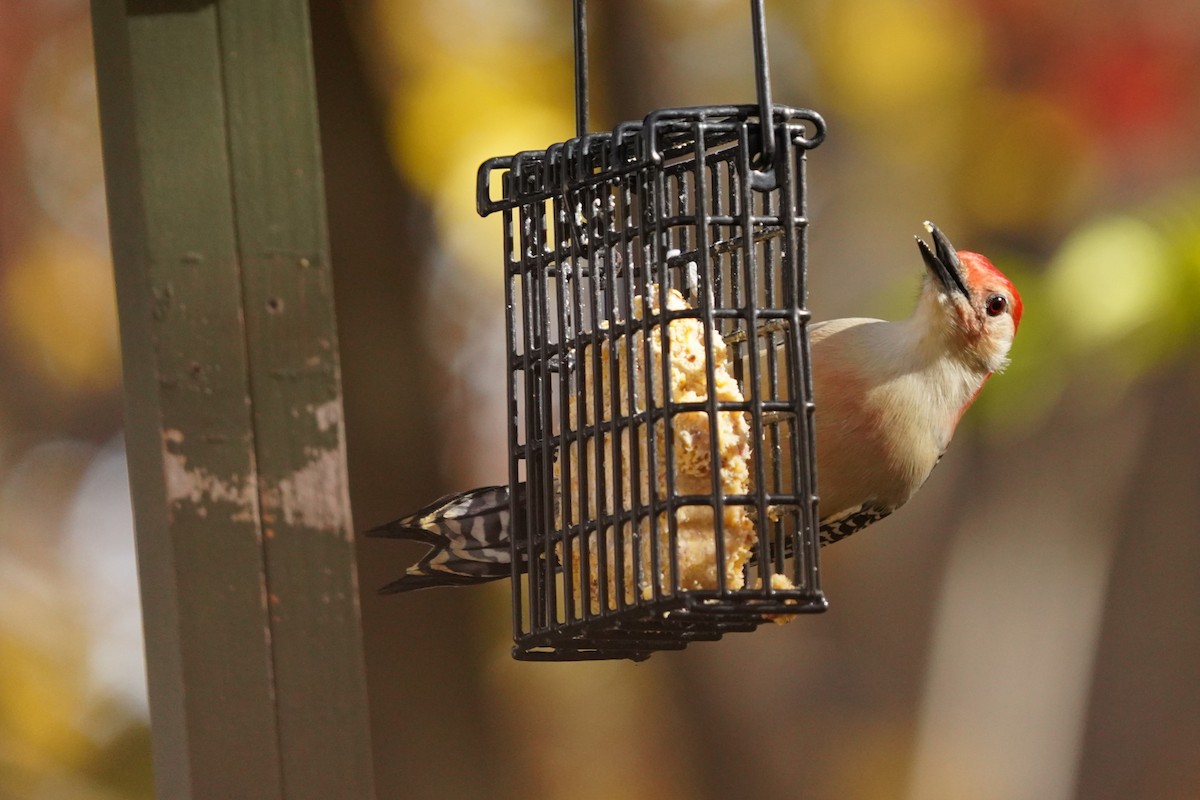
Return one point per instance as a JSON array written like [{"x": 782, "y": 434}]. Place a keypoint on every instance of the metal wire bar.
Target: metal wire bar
[
  {"x": 581, "y": 68},
  {"x": 762, "y": 79}
]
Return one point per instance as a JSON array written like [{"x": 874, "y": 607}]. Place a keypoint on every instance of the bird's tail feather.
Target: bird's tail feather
[{"x": 469, "y": 537}]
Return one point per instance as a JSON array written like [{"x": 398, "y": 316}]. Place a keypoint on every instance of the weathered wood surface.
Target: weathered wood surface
[{"x": 234, "y": 415}]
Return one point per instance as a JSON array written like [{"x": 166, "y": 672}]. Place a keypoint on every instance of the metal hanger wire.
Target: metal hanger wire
[{"x": 762, "y": 76}]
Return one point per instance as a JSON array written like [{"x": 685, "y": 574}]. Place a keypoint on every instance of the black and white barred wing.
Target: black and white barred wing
[
  {"x": 836, "y": 527},
  {"x": 470, "y": 537},
  {"x": 469, "y": 534}
]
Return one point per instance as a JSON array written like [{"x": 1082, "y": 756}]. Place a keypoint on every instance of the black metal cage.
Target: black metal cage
[{"x": 660, "y": 416}]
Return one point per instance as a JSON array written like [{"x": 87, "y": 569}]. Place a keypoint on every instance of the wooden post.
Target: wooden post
[{"x": 233, "y": 399}]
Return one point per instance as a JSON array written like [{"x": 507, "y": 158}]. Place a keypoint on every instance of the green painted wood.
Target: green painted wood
[
  {"x": 233, "y": 406},
  {"x": 292, "y": 346}
]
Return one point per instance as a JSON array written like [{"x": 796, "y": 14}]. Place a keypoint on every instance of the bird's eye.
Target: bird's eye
[{"x": 996, "y": 305}]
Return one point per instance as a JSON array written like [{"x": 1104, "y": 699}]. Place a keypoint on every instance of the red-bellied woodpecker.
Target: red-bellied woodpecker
[{"x": 888, "y": 397}]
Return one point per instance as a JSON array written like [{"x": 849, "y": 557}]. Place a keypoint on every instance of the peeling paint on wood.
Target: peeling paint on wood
[
  {"x": 202, "y": 489},
  {"x": 312, "y": 496},
  {"x": 328, "y": 416}
]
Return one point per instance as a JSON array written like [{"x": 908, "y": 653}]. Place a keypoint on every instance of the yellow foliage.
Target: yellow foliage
[
  {"x": 1024, "y": 162},
  {"x": 59, "y": 306},
  {"x": 888, "y": 56},
  {"x": 41, "y": 693},
  {"x": 441, "y": 33},
  {"x": 444, "y": 125},
  {"x": 1110, "y": 279}
]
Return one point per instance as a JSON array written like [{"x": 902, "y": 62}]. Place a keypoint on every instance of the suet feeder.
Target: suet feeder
[{"x": 660, "y": 418}]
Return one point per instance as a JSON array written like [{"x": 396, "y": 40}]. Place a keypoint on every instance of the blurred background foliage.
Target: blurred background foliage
[{"x": 1029, "y": 627}]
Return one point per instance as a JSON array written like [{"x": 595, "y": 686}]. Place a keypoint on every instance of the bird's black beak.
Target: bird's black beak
[{"x": 943, "y": 260}]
